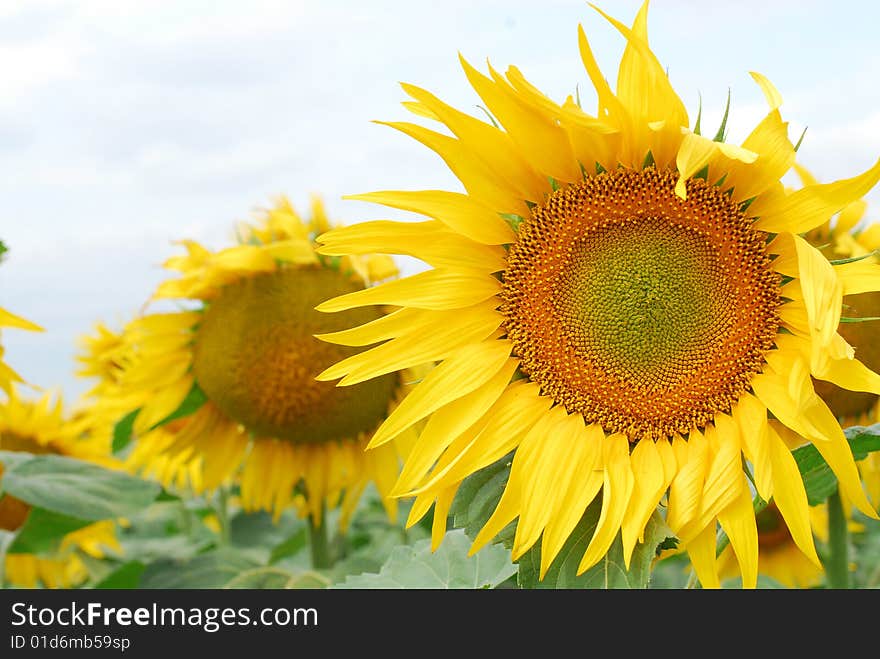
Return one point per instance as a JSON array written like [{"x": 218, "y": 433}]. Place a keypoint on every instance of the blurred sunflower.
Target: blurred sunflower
[
  {"x": 621, "y": 300},
  {"x": 39, "y": 427},
  {"x": 234, "y": 372},
  {"x": 7, "y": 319}
]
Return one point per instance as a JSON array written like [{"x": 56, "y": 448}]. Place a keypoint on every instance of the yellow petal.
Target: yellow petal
[
  {"x": 433, "y": 289},
  {"x": 774, "y": 98},
  {"x": 489, "y": 144},
  {"x": 459, "y": 212},
  {"x": 859, "y": 276},
  {"x": 480, "y": 181},
  {"x": 421, "y": 346},
  {"x": 534, "y": 133},
  {"x": 790, "y": 496},
  {"x": 738, "y": 522},
  {"x": 457, "y": 376},
  {"x": 447, "y": 423},
  {"x": 701, "y": 551},
  {"x": 616, "y": 493},
  {"x": 8, "y": 319},
  {"x": 585, "y": 457},
  {"x": 809, "y": 207},
  {"x": 686, "y": 489},
  {"x": 649, "y": 485},
  {"x": 547, "y": 471}
]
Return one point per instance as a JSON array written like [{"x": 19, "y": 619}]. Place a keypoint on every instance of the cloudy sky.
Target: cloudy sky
[{"x": 127, "y": 125}]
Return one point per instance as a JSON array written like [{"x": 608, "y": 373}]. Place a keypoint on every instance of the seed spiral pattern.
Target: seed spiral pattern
[
  {"x": 256, "y": 358},
  {"x": 644, "y": 312}
]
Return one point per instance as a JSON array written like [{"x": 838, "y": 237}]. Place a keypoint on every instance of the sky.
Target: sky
[{"x": 126, "y": 126}]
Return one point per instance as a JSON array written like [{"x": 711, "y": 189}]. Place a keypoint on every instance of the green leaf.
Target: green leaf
[
  {"x": 416, "y": 566},
  {"x": 256, "y": 534},
  {"x": 128, "y": 575},
  {"x": 43, "y": 531},
  {"x": 819, "y": 481},
  {"x": 276, "y": 578},
  {"x": 74, "y": 487},
  {"x": 213, "y": 569},
  {"x": 3, "y": 250},
  {"x": 123, "y": 431},
  {"x": 477, "y": 497},
  {"x": 610, "y": 572},
  {"x": 290, "y": 547}
]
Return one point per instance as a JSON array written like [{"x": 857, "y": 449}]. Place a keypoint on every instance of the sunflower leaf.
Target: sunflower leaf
[
  {"x": 477, "y": 497},
  {"x": 212, "y": 569},
  {"x": 74, "y": 487},
  {"x": 276, "y": 578},
  {"x": 43, "y": 531},
  {"x": 416, "y": 566},
  {"x": 127, "y": 575},
  {"x": 610, "y": 572},
  {"x": 819, "y": 480}
]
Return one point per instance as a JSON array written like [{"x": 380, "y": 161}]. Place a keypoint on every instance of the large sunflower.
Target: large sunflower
[
  {"x": 241, "y": 359},
  {"x": 39, "y": 427},
  {"x": 7, "y": 319},
  {"x": 623, "y": 302}
]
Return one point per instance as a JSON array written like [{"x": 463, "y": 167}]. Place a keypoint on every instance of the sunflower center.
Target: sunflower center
[
  {"x": 644, "y": 312},
  {"x": 256, "y": 358},
  {"x": 772, "y": 530}
]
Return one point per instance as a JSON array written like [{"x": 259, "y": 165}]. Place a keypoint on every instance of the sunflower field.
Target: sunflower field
[{"x": 610, "y": 347}]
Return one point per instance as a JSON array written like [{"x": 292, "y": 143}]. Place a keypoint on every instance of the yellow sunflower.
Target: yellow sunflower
[
  {"x": 39, "y": 427},
  {"x": 622, "y": 301},
  {"x": 241, "y": 358}
]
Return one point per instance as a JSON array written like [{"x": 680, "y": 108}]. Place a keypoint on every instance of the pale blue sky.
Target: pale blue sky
[{"x": 127, "y": 125}]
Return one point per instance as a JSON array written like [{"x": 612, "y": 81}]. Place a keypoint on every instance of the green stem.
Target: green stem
[
  {"x": 223, "y": 514},
  {"x": 318, "y": 542},
  {"x": 837, "y": 563}
]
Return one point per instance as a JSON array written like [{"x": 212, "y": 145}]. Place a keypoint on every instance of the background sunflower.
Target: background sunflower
[{"x": 222, "y": 390}]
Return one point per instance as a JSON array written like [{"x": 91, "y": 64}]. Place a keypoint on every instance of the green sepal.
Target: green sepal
[
  {"x": 193, "y": 401},
  {"x": 719, "y": 136},
  {"x": 853, "y": 259},
  {"x": 800, "y": 139},
  {"x": 123, "y": 431}
]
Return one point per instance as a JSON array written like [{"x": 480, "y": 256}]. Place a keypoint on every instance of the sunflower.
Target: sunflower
[
  {"x": 39, "y": 427},
  {"x": 7, "y": 319},
  {"x": 233, "y": 371},
  {"x": 621, "y": 301}
]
